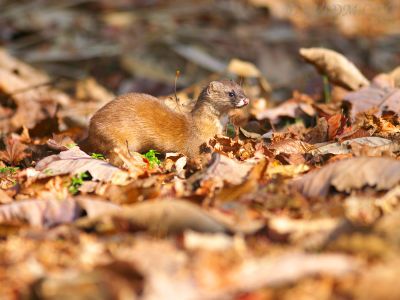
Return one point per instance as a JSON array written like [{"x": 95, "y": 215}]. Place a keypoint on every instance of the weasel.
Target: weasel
[{"x": 140, "y": 122}]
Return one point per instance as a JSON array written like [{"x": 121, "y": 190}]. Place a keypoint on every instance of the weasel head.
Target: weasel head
[{"x": 224, "y": 95}]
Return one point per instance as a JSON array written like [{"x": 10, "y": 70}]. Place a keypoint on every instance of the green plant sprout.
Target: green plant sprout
[
  {"x": 327, "y": 92},
  {"x": 97, "y": 156},
  {"x": 9, "y": 170},
  {"x": 152, "y": 158},
  {"x": 71, "y": 145},
  {"x": 77, "y": 181}
]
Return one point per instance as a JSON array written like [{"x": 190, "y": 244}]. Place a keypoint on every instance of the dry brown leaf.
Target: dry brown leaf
[
  {"x": 4, "y": 197},
  {"x": 291, "y": 146},
  {"x": 374, "y": 99},
  {"x": 89, "y": 89},
  {"x": 299, "y": 229},
  {"x": 243, "y": 68},
  {"x": 231, "y": 192},
  {"x": 14, "y": 152},
  {"x": 337, "y": 67},
  {"x": 228, "y": 170},
  {"x": 395, "y": 76},
  {"x": 276, "y": 271},
  {"x": 47, "y": 213},
  {"x": 159, "y": 217},
  {"x": 74, "y": 161},
  {"x": 29, "y": 89},
  {"x": 375, "y": 144},
  {"x": 290, "y": 108},
  {"x": 117, "y": 280},
  {"x": 354, "y": 173},
  {"x": 379, "y": 282},
  {"x": 336, "y": 123},
  {"x": 319, "y": 133}
]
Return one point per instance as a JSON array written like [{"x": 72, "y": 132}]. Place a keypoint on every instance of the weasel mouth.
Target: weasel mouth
[{"x": 242, "y": 102}]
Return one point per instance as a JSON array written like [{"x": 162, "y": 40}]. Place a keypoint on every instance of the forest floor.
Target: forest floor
[{"x": 300, "y": 199}]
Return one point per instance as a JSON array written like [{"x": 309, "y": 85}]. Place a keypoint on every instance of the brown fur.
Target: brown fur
[{"x": 140, "y": 122}]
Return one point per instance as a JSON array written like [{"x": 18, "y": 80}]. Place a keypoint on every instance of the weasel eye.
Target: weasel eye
[{"x": 231, "y": 94}]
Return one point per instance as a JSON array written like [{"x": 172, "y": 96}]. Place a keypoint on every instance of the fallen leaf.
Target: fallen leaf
[
  {"x": 14, "y": 152},
  {"x": 290, "y": 108},
  {"x": 299, "y": 229},
  {"x": 287, "y": 170},
  {"x": 47, "y": 213},
  {"x": 290, "y": 146},
  {"x": 74, "y": 161},
  {"x": 243, "y": 68},
  {"x": 276, "y": 271},
  {"x": 373, "y": 99},
  {"x": 346, "y": 175},
  {"x": 336, "y": 123},
  {"x": 158, "y": 217},
  {"x": 319, "y": 133},
  {"x": 395, "y": 75},
  {"x": 337, "y": 67},
  {"x": 29, "y": 88},
  {"x": 376, "y": 143},
  {"x": 126, "y": 283}
]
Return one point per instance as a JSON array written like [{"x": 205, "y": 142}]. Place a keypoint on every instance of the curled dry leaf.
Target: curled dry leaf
[
  {"x": 395, "y": 76},
  {"x": 338, "y": 68},
  {"x": 319, "y": 133},
  {"x": 291, "y": 146},
  {"x": 267, "y": 271},
  {"x": 249, "y": 184},
  {"x": 374, "y": 99},
  {"x": 126, "y": 283},
  {"x": 346, "y": 175},
  {"x": 243, "y": 68},
  {"x": 14, "y": 152},
  {"x": 374, "y": 143},
  {"x": 299, "y": 229},
  {"x": 233, "y": 176},
  {"x": 209, "y": 241},
  {"x": 75, "y": 161},
  {"x": 46, "y": 213},
  {"x": 291, "y": 108},
  {"x": 160, "y": 217},
  {"x": 29, "y": 89},
  {"x": 247, "y": 69}
]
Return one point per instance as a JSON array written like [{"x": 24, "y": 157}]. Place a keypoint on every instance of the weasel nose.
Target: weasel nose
[{"x": 242, "y": 102}]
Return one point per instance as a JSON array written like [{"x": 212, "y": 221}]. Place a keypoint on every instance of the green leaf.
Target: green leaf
[
  {"x": 152, "y": 158},
  {"x": 97, "y": 156},
  {"x": 9, "y": 170},
  {"x": 71, "y": 145},
  {"x": 77, "y": 181}
]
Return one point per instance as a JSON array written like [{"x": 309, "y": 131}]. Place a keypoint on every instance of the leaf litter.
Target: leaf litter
[{"x": 300, "y": 201}]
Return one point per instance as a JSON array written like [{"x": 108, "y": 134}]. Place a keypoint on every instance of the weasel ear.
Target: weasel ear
[{"x": 215, "y": 85}]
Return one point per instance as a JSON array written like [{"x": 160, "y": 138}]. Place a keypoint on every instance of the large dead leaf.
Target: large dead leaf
[
  {"x": 374, "y": 99},
  {"x": 126, "y": 284},
  {"x": 243, "y": 68},
  {"x": 290, "y": 146},
  {"x": 395, "y": 76},
  {"x": 75, "y": 161},
  {"x": 275, "y": 271},
  {"x": 158, "y": 217},
  {"x": 337, "y": 67},
  {"x": 46, "y": 213},
  {"x": 31, "y": 92},
  {"x": 14, "y": 152},
  {"x": 354, "y": 173},
  {"x": 292, "y": 108},
  {"x": 374, "y": 142}
]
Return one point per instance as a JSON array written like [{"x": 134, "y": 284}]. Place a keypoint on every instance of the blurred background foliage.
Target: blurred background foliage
[{"x": 138, "y": 45}]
